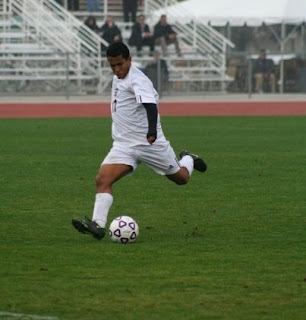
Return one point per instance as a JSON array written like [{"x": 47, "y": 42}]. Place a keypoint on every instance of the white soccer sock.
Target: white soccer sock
[
  {"x": 187, "y": 162},
  {"x": 102, "y": 205}
]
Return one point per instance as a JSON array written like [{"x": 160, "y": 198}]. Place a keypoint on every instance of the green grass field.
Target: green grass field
[{"x": 229, "y": 245}]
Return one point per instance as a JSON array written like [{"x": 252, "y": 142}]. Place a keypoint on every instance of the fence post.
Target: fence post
[
  {"x": 159, "y": 76},
  {"x": 303, "y": 40},
  {"x": 67, "y": 76},
  {"x": 249, "y": 76}
]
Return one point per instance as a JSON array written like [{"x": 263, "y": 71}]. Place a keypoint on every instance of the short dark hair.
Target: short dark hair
[{"x": 118, "y": 49}]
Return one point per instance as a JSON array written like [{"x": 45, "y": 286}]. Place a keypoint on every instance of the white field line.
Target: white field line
[{"x": 4, "y": 315}]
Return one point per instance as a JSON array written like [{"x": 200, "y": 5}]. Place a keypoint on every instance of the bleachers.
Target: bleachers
[
  {"x": 33, "y": 51},
  {"x": 40, "y": 43},
  {"x": 112, "y": 7},
  {"x": 203, "y": 62}
]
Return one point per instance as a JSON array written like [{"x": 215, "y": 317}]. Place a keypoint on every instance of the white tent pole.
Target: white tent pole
[{"x": 303, "y": 40}]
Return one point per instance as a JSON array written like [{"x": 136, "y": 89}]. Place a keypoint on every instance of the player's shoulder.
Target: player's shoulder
[
  {"x": 137, "y": 76},
  {"x": 135, "y": 72}
]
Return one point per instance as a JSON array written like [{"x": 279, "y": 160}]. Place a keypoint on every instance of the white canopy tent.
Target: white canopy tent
[
  {"x": 241, "y": 12},
  {"x": 238, "y": 12}
]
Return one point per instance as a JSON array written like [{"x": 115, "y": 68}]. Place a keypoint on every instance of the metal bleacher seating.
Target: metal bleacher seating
[{"x": 47, "y": 49}]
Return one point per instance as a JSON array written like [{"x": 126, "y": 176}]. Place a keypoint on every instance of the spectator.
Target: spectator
[
  {"x": 141, "y": 35},
  {"x": 110, "y": 32},
  {"x": 130, "y": 8},
  {"x": 264, "y": 73},
  {"x": 157, "y": 72},
  {"x": 73, "y": 5},
  {"x": 93, "y": 5},
  {"x": 91, "y": 23},
  {"x": 164, "y": 35}
]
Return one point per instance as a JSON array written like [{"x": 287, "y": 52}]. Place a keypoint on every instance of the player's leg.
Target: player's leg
[
  {"x": 186, "y": 168},
  {"x": 188, "y": 162},
  {"x": 119, "y": 162},
  {"x": 180, "y": 177},
  {"x": 107, "y": 176},
  {"x": 161, "y": 158}
]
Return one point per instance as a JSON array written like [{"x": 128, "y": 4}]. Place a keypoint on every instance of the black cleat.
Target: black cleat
[
  {"x": 198, "y": 163},
  {"x": 88, "y": 226}
]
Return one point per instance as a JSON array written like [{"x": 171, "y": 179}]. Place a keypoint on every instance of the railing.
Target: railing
[
  {"x": 65, "y": 31},
  {"x": 49, "y": 23},
  {"x": 205, "y": 39},
  {"x": 152, "y": 5}
]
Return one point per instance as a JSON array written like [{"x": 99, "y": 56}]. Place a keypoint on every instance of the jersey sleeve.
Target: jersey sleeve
[{"x": 143, "y": 89}]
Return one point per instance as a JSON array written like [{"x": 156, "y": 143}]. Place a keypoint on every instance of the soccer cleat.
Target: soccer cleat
[
  {"x": 88, "y": 226},
  {"x": 198, "y": 163}
]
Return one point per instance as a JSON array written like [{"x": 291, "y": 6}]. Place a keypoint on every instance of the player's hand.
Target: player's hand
[{"x": 151, "y": 139}]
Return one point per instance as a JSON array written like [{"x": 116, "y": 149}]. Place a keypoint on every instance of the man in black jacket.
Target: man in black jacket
[
  {"x": 264, "y": 73},
  {"x": 110, "y": 32},
  {"x": 141, "y": 35},
  {"x": 164, "y": 35}
]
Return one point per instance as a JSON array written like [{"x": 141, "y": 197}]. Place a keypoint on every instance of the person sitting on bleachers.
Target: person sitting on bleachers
[
  {"x": 91, "y": 23},
  {"x": 110, "y": 32},
  {"x": 264, "y": 73},
  {"x": 141, "y": 36},
  {"x": 164, "y": 35}
]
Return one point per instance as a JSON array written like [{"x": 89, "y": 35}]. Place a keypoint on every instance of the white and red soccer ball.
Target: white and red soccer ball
[{"x": 123, "y": 229}]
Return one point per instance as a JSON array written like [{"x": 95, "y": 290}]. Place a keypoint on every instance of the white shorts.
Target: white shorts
[{"x": 158, "y": 157}]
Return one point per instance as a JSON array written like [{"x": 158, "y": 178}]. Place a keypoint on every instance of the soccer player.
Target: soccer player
[{"x": 137, "y": 138}]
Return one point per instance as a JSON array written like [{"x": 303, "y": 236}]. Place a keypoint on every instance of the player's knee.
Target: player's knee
[
  {"x": 181, "y": 180},
  {"x": 98, "y": 180},
  {"x": 101, "y": 181}
]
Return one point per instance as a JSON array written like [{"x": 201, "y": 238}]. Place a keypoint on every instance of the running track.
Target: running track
[{"x": 192, "y": 108}]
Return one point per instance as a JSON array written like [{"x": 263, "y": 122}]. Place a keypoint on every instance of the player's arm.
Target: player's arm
[{"x": 152, "y": 115}]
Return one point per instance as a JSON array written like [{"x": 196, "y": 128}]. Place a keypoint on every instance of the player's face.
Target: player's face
[{"x": 120, "y": 65}]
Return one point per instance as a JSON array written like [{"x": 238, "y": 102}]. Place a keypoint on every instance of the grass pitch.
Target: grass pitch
[{"x": 229, "y": 245}]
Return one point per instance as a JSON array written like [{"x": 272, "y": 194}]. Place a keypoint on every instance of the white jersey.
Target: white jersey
[{"x": 130, "y": 122}]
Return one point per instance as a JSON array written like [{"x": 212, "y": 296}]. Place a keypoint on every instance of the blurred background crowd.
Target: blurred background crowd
[{"x": 253, "y": 58}]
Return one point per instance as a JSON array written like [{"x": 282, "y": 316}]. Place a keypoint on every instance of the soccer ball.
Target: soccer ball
[{"x": 123, "y": 229}]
